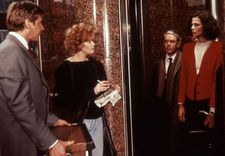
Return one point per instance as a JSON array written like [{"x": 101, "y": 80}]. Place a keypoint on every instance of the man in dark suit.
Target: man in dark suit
[
  {"x": 24, "y": 93},
  {"x": 165, "y": 88}
]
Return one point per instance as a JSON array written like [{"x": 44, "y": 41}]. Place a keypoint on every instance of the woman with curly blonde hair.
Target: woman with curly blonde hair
[{"x": 79, "y": 80}]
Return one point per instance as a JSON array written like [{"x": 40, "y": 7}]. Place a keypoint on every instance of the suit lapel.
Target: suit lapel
[
  {"x": 161, "y": 77},
  {"x": 178, "y": 63},
  {"x": 26, "y": 52}
]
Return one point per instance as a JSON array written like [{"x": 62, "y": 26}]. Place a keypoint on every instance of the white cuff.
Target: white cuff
[{"x": 54, "y": 144}]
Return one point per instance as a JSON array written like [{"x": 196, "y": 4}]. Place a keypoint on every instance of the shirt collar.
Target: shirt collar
[
  {"x": 20, "y": 38},
  {"x": 173, "y": 57}
]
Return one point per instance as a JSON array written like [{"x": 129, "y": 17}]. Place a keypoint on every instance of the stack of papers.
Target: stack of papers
[{"x": 112, "y": 95}]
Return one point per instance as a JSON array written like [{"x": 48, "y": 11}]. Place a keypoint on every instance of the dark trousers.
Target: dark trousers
[
  {"x": 197, "y": 138},
  {"x": 167, "y": 132}
]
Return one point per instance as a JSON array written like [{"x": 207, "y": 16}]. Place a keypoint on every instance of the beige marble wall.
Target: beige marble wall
[{"x": 61, "y": 14}]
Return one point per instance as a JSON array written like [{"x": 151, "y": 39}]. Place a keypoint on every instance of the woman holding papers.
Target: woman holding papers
[{"x": 79, "y": 80}]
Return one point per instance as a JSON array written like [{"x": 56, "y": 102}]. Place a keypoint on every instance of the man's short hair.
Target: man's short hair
[
  {"x": 20, "y": 11},
  {"x": 172, "y": 32}
]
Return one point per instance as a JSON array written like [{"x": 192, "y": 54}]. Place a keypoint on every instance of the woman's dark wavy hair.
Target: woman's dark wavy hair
[{"x": 210, "y": 26}]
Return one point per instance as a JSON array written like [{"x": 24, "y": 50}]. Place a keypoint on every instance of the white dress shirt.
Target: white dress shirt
[
  {"x": 167, "y": 61},
  {"x": 20, "y": 38}
]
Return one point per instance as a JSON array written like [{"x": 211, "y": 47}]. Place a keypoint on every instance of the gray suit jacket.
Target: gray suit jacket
[{"x": 24, "y": 116}]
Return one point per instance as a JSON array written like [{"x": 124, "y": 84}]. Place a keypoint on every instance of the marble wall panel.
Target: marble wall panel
[{"x": 168, "y": 14}]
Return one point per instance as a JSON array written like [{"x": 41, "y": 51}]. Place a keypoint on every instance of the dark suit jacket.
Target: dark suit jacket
[
  {"x": 160, "y": 79},
  {"x": 205, "y": 81},
  {"x": 24, "y": 116}
]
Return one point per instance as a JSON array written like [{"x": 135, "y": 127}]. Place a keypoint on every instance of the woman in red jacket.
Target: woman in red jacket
[{"x": 201, "y": 59}]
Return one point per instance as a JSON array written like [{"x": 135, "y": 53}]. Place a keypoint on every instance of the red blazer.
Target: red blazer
[{"x": 206, "y": 79}]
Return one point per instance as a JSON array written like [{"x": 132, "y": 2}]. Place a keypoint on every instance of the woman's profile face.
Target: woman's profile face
[
  {"x": 196, "y": 27},
  {"x": 88, "y": 47}
]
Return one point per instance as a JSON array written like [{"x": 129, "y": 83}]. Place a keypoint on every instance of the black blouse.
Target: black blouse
[{"x": 74, "y": 87}]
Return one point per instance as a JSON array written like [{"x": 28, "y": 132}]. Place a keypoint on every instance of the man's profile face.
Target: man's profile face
[
  {"x": 36, "y": 28},
  {"x": 170, "y": 44}
]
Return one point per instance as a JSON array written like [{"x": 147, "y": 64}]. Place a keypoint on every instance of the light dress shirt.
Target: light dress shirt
[
  {"x": 20, "y": 38},
  {"x": 200, "y": 49},
  {"x": 167, "y": 61}
]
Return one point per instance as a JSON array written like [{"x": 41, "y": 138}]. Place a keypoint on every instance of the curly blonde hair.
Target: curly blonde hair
[{"x": 76, "y": 35}]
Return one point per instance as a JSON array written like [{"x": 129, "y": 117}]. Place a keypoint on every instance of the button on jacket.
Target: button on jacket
[{"x": 199, "y": 86}]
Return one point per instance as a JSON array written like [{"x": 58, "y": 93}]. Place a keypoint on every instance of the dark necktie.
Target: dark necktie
[
  {"x": 31, "y": 50},
  {"x": 169, "y": 66},
  {"x": 169, "y": 76}
]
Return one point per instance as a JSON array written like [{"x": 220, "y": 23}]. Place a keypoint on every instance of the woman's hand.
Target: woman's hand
[
  {"x": 209, "y": 121},
  {"x": 181, "y": 113},
  {"x": 117, "y": 87},
  {"x": 101, "y": 86}
]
